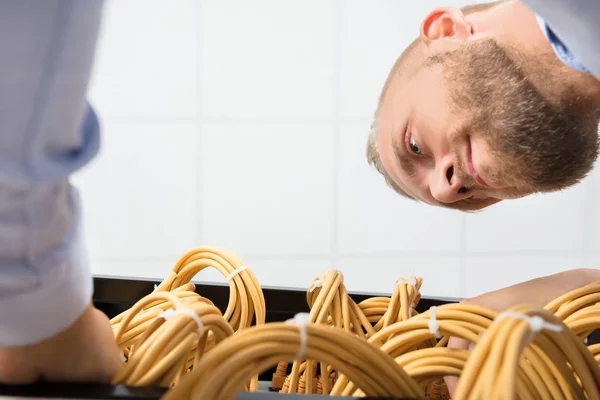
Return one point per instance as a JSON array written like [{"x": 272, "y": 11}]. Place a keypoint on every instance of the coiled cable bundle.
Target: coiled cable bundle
[
  {"x": 557, "y": 366},
  {"x": 221, "y": 373},
  {"x": 580, "y": 311},
  {"x": 384, "y": 311},
  {"x": 141, "y": 331},
  {"x": 170, "y": 340},
  {"x": 140, "y": 319},
  {"x": 246, "y": 299},
  {"x": 330, "y": 304},
  {"x": 427, "y": 365},
  {"x": 381, "y": 347}
]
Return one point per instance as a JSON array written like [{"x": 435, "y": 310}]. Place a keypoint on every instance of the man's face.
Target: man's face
[{"x": 468, "y": 130}]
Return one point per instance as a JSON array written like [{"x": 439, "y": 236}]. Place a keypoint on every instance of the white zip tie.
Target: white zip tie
[
  {"x": 301, "y": 320},
  {"x": 235, "y": 272},
  {"x": 170, "y": 313},
  {"x": 434, "y": 325},
  {"x": 316, "y": 284},
  {"x": 123, "y": 358},
  {"x": 536, "y": 323},
  {"x": 411, "y": 281}
]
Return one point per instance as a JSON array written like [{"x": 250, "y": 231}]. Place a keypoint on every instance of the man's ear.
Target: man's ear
[{"x": 445, "y": 22}]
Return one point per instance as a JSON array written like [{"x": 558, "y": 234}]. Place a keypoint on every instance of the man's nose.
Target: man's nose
[{"x": 446, "y": 185}]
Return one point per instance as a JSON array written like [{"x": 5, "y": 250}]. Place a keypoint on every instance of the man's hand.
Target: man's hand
[
  {"x": 84, "y": 352},
  {"x": 537, "y": 292}
]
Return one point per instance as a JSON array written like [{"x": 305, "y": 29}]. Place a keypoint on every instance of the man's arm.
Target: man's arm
[
  {"x": 537, "y": 292},
  {"x": 47, "y": 131}
]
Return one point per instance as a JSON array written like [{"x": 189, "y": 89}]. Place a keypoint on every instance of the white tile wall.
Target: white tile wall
[
  {"x": 373, "y": 34},
  {"x": 548, "y": 222},
  {"x": 146, "y": 62},
  {"x": 291, "y": 273},
  {"x": 243, "y": 124},
  {"x": 267, "y": 58},
  {"x": 371, "y": 216},
  {"x": 592, "y": 207},
  {"x": 267, "y": 189},
  {"x": 441, "y": 275},
  {"x": 485, "y": 273},
  {"x": 140, "y": 199}
]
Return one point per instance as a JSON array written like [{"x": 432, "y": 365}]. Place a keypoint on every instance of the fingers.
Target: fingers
[
  {"x": 14, "y": 369},
  {"x": 455, "y": 343},
  {"x": 84, "y": 352},
  {"x": 451, "y": 384}
]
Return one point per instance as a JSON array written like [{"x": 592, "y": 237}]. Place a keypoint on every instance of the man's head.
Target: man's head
[{"x": 467, "y": 116}]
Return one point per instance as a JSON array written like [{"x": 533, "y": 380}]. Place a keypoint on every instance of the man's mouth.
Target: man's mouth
[
  {"x": 473, "y": 200},
  {"x": 471, "y": 167}
]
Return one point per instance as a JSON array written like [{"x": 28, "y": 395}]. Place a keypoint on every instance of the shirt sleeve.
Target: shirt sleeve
[
  {"x": 573, "y": 24},
  {"x": 47, "y": 131}
]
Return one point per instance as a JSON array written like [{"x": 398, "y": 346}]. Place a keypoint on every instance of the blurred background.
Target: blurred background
[{"x": 243, "y": 124}]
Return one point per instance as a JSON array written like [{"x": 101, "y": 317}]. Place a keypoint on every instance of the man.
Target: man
[
  {"x": 480, "y": 108},
  {"x": 494, "y": 102},
  {"x": 49, "y": 330}
]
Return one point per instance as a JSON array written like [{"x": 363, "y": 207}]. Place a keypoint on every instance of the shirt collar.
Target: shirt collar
[{"x": 561, "y": 51}]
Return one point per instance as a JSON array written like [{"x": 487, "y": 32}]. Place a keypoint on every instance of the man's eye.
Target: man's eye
[{"x": 413, "y": 146}]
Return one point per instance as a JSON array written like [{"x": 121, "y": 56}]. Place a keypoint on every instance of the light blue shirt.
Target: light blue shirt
[
  {"x": 47, "y": 131},
  {"x": 573, "y": 29},
  {"x": 561, "y": 51}
]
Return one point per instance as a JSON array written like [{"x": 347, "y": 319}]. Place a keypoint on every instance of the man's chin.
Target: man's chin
[{"x": 485, "y": 203}]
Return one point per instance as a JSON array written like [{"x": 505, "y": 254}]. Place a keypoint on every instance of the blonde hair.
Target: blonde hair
[{"x": 375, "y": 161}]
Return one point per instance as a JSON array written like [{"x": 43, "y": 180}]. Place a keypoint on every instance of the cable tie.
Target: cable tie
[
  {"x": 235, "y": 272},
  {"x": 536, "y": 323},
  {"x": 170, "y": 313},
  {"x": 122, "y": 355},
  {"x": 411, "y": 281},
  {"x": 434, "y": 325},
  {"x": 315, "y": 284},
  {"x": 301, "y": 320}
]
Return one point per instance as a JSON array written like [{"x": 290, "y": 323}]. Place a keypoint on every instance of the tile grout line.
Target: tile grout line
[
  {"x": 336, "y": 125},
  {"x": 366, "y": 255},
  {"x": 587, "y": 226},
  {"x": 199, "y": 163},
  {"x": 239, "y": 120},
  {"x": 463, "y": 257}
]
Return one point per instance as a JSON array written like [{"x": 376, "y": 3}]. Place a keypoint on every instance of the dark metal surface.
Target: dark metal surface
[
  {"x": 105, "y": 392},
  {"x": 115, "y": 295},
  {"x": 81, "y": 391},
  {"x": 277, "y": 396}
]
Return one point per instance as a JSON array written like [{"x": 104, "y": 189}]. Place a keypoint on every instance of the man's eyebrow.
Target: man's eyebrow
[{"x": 406, "y": 162}]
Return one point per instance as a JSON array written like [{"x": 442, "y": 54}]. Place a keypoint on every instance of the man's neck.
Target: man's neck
[{"x": 515, "y": 27}]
